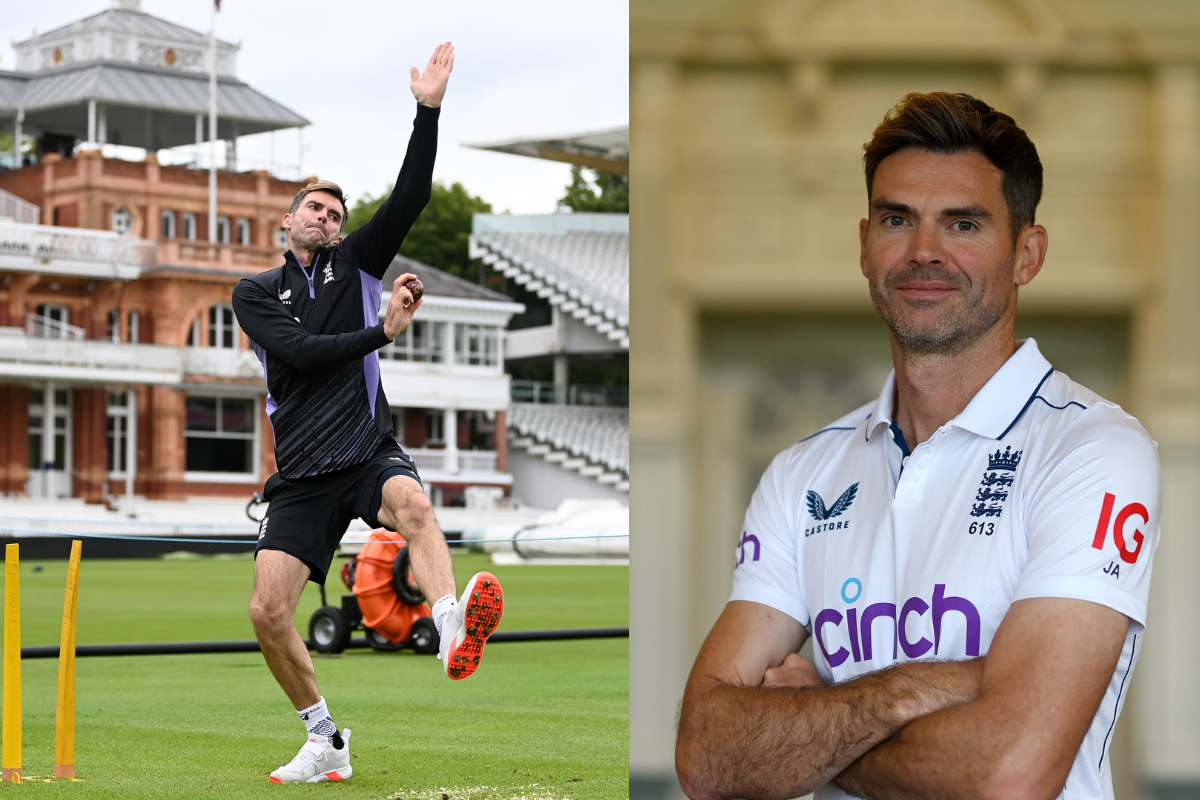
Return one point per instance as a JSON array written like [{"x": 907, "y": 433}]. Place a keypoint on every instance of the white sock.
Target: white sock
[
  {"x": 318, "y": 722},
  {"x": 442, "y": 610}
]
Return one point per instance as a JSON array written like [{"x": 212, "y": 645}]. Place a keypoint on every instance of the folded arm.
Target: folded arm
[
  {"x": 268, "y": 325},
  {"x": 1046, "y": 673},
  {"x": 741, "y": 738}
]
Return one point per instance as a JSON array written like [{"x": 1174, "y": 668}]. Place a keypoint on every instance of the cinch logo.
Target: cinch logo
[
  {"x": 816, "y": 507},
  {"x": 859, "y": 630},
  {"x": 1118, "y": 528},
  {"x": 328, "y": 274},
  {"x": 262, "y": 527},
  {"x": 747, "y": 538}
]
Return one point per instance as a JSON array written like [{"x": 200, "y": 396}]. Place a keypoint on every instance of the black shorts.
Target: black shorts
[{"x": 307, "y": 517}]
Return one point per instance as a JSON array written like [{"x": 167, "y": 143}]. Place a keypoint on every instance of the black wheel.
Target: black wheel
[
  {"x": 328, "y": 631},
  {"x": 424, "y": 638},
  {"x": 379, "y": 642},
  {"x": 402, "y": 580}
]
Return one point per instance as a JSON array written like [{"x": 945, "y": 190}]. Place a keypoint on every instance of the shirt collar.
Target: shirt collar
[
  {"x": 882, "y": 413},
  {"x": 995, "y": 408},
  {"x": 291, "y": 256},
  {"x": 1003, "y": 399}
]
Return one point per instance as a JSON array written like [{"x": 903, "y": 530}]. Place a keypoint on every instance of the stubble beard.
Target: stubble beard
[
  {"x": 307, "y": 238},
  {"x": 964, "y": 320}
]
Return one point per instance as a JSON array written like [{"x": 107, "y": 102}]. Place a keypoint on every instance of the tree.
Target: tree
[
  {"x": 439, "y": 236},
  {"x": 28, "y": 148},
  {"x": 613, "y": 196}
]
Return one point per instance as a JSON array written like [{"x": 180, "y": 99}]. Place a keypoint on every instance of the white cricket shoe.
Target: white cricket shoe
[
  {"x": 474, "y": 618},
  {"x": 317, "y": 761}
]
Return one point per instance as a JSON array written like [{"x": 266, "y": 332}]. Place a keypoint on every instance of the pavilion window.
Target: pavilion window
[
  {"x": 220, "y": 434},
  {"x": 221, "y": 327}
]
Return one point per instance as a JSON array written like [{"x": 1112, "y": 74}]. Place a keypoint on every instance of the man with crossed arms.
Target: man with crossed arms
[{"x": 971, "y": 551}]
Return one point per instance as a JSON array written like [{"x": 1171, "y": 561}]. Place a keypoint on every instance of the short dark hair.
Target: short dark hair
[
  {"x": 322, "y": 186},
  {"x": 941, "y": 122}
]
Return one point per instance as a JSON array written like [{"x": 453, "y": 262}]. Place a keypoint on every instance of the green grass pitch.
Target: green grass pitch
[{"x": 539, "y": 720}]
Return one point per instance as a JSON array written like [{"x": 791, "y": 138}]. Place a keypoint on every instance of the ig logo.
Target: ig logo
[{"x": 1129, "y": 556}]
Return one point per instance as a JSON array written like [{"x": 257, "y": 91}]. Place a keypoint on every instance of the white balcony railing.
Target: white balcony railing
[
  {"x": 453, "y": 461},
  {"x": 46, "y": 348},
  {"x": 221, "y": 362},
  {"x": 477, "y": 460},
  {"x": 73, "y": 250},
  {"x": 20, "y": 210},
  {"x": 35, "y": 357},
  {"x": 40, "y": 327}
]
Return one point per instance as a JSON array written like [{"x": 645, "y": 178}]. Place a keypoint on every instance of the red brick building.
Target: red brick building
[{"x": 179, "y": 296}]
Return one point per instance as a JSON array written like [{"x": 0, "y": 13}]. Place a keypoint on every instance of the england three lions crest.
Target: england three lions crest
[{"x": 996, "y": 484}]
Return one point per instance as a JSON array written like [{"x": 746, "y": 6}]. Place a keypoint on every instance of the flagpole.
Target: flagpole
[{"x": 212, "y": 127}]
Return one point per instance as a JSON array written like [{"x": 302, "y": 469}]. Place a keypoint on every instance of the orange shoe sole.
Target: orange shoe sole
[{"x": 485, "y": 607}]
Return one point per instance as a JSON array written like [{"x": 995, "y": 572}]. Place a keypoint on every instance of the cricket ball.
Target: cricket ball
[{"x": 415, "y": 288}]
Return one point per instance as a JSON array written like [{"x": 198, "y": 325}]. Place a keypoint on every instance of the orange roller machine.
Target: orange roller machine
[{"x": 386, "y": 602}]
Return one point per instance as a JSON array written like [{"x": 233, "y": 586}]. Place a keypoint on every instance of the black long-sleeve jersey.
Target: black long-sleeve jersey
[{"x": 317, "y": 331}]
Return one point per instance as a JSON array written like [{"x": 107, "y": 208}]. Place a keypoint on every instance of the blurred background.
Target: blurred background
[{"x": 754, "y": 325}]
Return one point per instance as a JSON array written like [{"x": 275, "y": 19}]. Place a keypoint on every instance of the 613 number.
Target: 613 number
[{"x": 983, "y": 528}]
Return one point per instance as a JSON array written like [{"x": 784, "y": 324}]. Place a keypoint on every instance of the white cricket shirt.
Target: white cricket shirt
[{"x": 1039, "y": 488}]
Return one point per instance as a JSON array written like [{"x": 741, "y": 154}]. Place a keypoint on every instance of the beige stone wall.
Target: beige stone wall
[{"x": 753, "y": 325}]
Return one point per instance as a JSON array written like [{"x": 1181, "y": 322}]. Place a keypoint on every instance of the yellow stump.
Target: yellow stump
[
  {"x": 10, "y": 751},
  {"x": 64, "y": 722}
]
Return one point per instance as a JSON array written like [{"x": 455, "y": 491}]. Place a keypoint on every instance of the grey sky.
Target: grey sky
[{"x": 524, "y": 68}]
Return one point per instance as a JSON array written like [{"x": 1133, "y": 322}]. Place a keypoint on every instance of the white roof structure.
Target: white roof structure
[
  {"x": 579, "y": 262},
  {"x": 123, "y": 33},
  {"x": 593, "y": 440},
  {"x": 150, "y": 76},
  {"x": 606, "y": 149}
]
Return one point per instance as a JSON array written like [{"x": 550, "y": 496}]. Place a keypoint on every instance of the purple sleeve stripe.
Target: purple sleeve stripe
[{"x": 372, "y": 294}]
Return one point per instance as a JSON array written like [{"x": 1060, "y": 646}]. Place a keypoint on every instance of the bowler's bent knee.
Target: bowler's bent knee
[{"x": 405, "y": 508}]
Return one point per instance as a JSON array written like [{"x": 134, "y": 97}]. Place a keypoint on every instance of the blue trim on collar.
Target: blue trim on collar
[
  {"x": 867, "y": 429},
  {"x": 823, "y": 430},
  {"x": 898, "y": 438},
  {"x": 1028, "y": 403},
  {"x": 1061, "y": 408}
]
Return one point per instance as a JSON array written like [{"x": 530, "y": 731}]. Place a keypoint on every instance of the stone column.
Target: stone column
[
  {"x": 450, "y": 434},
  {"x": 18, "y": 293},
  {"x": 90, "y": 470},
  {"x": 91, "y": 175},
  {"x": 562, "y": 364},
  {"x": 501, "y": 437},
  {"x": 1168, "y": 356},
  {"x": 662, "y": 642},
  {"x": 48, "y": 169},
  {"x": 261, "y": 233},
  {"x": 162, "y": 472},
  {"x": 14, "y": 438},
  {"x": 153, "y": 200}
]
